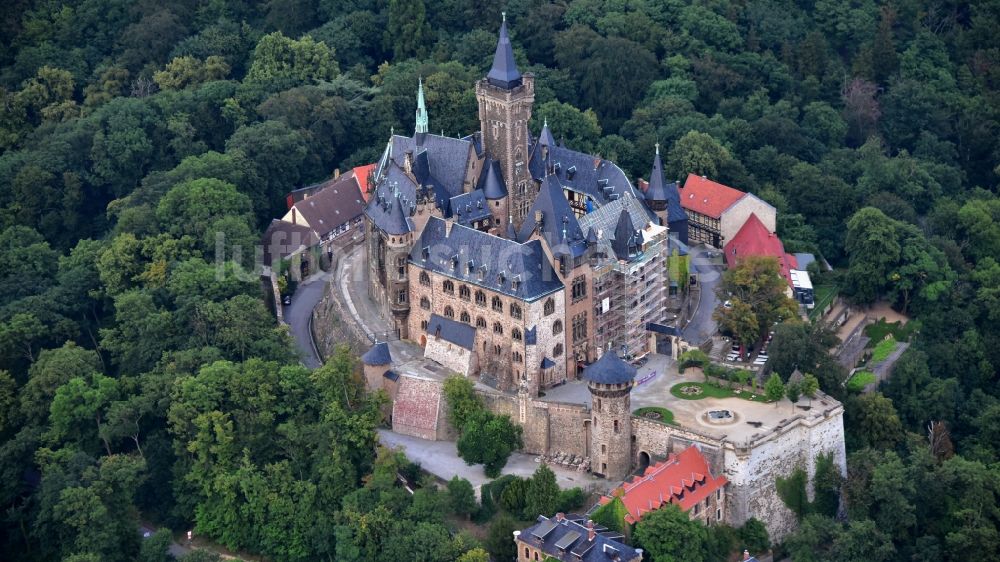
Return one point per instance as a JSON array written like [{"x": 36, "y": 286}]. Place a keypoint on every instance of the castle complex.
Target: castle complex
[{"x": 535, "y": 269}]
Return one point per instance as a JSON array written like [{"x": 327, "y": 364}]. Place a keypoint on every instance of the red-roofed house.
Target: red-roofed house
[
  {"x": 332, "y": 208},
  {"x": 683, "y": 479},
  {"x": 716, "y": 212},
  {"x": 755, "y": 239}
]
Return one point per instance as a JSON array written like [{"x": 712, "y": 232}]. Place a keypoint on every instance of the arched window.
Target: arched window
[
  {"x": 557, "y": 350},
  {"x": 497, "y": 328},
  {"x": 449, "y": 312},
  {"x": 550, "y": 307},
  {"x": 464, "y": 293},
  {"x": 423, "y": 325},
  {"x": 424, "y": 278},
  {"x": 465, "y": 317},
  {"x": 496, "y": 350},
  {"x": 517, "y": 357},
  {"x": 449, "y": 287},
  {"x": 515, "y": 311},
  {"x": 557, "y": 328},
  {"x": 480, "y": 298},
  {"x": 515, "y": 334},
  {"x": 425, "y": 303},
  {"x": 480, "y": 322},
  {"x": 497, "y": 304}
]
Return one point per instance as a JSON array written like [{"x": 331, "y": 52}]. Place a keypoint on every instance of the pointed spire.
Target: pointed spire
[
  {"x": 504, "y": 73},
  {"x": 545, "y": 138},
  {"x": 656, "y": 190},
  {"x": 421, "y": 107}
]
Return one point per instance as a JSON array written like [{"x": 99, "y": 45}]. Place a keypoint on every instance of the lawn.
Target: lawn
[
  {"x": 712, "y": 391},
  {"x": 823, "y": 295},
  {"x": 879, "y": 330},
  {"x": 666, "y": 416},
  {"x": 860, "y": 380},
  {"x": 883, "y": 350}
]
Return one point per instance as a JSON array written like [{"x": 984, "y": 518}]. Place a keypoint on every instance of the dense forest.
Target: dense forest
[{"x": 146, "y": 144}]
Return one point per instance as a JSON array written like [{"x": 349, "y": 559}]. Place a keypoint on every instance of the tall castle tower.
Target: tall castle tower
[
  {"x": 505, "y": 98},
  {"x": 609, "y": 380}
]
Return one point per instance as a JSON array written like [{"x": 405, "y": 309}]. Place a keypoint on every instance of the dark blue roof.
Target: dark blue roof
[
  {"x": 391, "y": 203},
  {"x": 568, "y": 540},
  {"x": 504, "y": 73},
  {"x": 547, "y": 363},
  {"x": 609, "y": 369},
  {"x": 662, "y": 329},
  {"x": 545, "y": 137},
  {"x": 531, "y": 336},
  {"x": 391, "y": 375},
  {"x": 447, "y": 159},
  {"x": 458, "y": 333},
  {"x": 560, "y": 227},
  {"x": 658, "y": 190},
  {"x": 628, "y": 240},
  {"x": 377, "y": 355},
  {"x": 469, "y": 207},
  {"x": 599, "y": 179},
  {"x": 478, "y": 258},
  {"x": 491, "y": 180}
]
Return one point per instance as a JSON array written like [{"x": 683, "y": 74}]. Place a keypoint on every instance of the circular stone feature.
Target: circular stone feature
[
  {"x": 653, "y": 415},
  {"x": 691, "y": 390},
  {"x": 719, "y": 417}
]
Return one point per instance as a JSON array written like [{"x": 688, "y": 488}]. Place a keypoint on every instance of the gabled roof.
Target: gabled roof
[
  {"x": 362, "y": 174},
  {"x": 628, "y": 240},
  {"x": 447, "y": 159},
  {"x": 659, "y": 190},
  {"x": 338, "y": 201},
  {"x": 478, "y": 258},
  {"x": 684, "y": 479},
  {"x": 569, "y": 540},
  {"x": 599, "y": 179},
  {"x": 603, "y": 221},
  {"x": 458, "y": 333},
  {"x": 504, "y": 73},
  {"x": 391, "y": 202},
  {"x": 282, "y": 239},
  {"x": 609, "y": 369},
  {"x": 707, "y": 197},
  {"x": 754, "y": 239},
  {"x": 560, "y": 227},
  {"x": 377, "y": 355},
  {"x": 491, "y": 180}
]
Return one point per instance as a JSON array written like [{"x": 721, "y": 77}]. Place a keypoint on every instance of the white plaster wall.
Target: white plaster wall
[{"x": 456, "y": 358}]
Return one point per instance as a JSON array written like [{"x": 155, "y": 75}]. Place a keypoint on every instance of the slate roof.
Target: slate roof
[
  {"x": 707, "y": 197},
  {"x": 609, "y": 369},
  {"x": 683, "y": 479},
  {"x": 390, "y": 204},
  {"x": 531, "y": 336},
  {"x": 469, "y": 207},
  {"x": 659, "y": 190},
  {"x": 377, "y": 355},
  {"x": 754, "y": 239},
  {"x": 628, "y": 240},
  {"x": 560, "y": 227},
  {"x": 603, "y": 221},
  {"x": 547, "y": 363},
  {"x": 478, "y": 258},
  {"x": 504, "y": 73},
  {"x": 337, "y": 201},
  {"x": 458, "y": 333},
  {"x": 568, "y": 540},
  {"x": 491, "y": 180},
  {"x": 282, "y": 239},
  {"x": 447, "y": 160},
  {"x": 600, "y": 179}
]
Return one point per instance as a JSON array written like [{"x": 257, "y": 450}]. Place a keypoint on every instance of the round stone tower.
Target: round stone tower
[{"x": 609, "y": 380}]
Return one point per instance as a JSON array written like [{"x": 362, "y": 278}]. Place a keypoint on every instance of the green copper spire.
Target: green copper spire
[{"x": 421, "y": 108}]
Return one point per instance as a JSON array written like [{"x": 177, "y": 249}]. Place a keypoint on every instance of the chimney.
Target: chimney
[
  {"x": 746, "y": 555},
  {"x": 294, "y": 216},
  {"x": 591, "y": 533}
]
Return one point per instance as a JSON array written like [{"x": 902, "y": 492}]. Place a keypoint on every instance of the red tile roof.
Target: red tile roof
[
  {"x": 683, "y": 479},
  {"x": 754, "y": 239},
  {"x": 362, "y": 173},
  {"x": 708, "y": 197}
]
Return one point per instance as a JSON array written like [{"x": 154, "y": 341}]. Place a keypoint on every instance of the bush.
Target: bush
[
  {"x": 691, "y": 358},
  {"x": 571, "y": 500},
  {"x": 753, "y": 535}
]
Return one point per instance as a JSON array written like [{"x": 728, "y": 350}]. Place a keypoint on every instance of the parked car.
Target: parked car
[{"x": 286, "y": 300}]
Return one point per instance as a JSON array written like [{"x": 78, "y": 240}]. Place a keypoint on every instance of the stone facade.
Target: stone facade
[
  {"x": 463, "y": 361},
  {"x": 503, "y": 117},
  {"x": 611, "y": 435},
  {"x": 388, "y": 284}
]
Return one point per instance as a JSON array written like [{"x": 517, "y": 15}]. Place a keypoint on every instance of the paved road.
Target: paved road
[
  {"x": 297, "y": 315},
  {"x": 175, "y": 549},
  {"x": 709, "y": 270}
]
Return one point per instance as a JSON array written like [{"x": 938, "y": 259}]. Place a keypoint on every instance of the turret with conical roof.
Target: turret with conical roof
[
  {"x": 609, "y": 380},
  {"x": 422, "y": 121},
  {"x": 504, "y": 72},
  {"x": 665, "y": 200}
]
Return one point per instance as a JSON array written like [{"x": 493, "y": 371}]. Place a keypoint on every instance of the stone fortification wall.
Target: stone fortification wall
[
  {"x": 658, "y": 440},
  {"x": 453, "y": 357},
  {"x": 753, "y": 467},
  {"x": 420, "y": 410},
  {"x": 549, "y": 427}
]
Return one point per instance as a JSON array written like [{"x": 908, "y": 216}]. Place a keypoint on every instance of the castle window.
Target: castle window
[
  {"x": 464, "y": 293},
  {"x": 515, "y": 311},
  {"x": 480, "y": 298},
  {"x": 515, "y": 334},
  {"x": 424, "y": 278},
  {"x": 557, "y": 350},
  {"x": 401, "y": 296},
  {"x": 448, "y": 287},
  {"x": 580, "y": 327},
  {"x": 616, "y": 426},
  {"x": 497, "y": 328},
  {"x": 496, "y": 350},
  {"x": 423, "y": 325},
  {"x": 718, "y": 514},
  {"x": 449, "y": 312},
  {"x": 497, "y": 304},
  {"x": 579, "y": 288},
  {"x": 598, "y": 404},
  {"x": 557, "y": 328},
  {"x": 550, "y": 307},
  {"x": 518, "y": 358},
  {"x": 465, "y": 317},
  {"x": 480, "y": 322},
  {"x": 425, "y": 303},
  {"x": 425, "y": 252},
  {"x": 604, "y": 449}
]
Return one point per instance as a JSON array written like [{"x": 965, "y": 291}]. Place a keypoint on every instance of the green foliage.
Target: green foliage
[
  {"x": 756, "y": 291},
  {"x": 499, "y": 539},
  {"x": 279, "y": 60},
  {"x": 792, "y": 491},
  {"x": 774, "y": 389},
  {"x": 611, "y": 515},
  {"x": 669, "y": 535},
  {"x": 860, "y": 380},
  {"x": 883, "y": 350},
  {"x": 489, "y": 439},
  {"x": 463, "y": 403},
  {"x": 461, "y": 497},
  {"x": 666, "y": 416},
  {"x": 542, "y": 496},
  {"x": 753, "y": 536},
  {"x": 693, "y": 357}
]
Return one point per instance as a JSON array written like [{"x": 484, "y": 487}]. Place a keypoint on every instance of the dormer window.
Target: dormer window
[
  {"x": 454, "y": 261},
  {"x": 571, "y": 172},
  {"x": 482, "y": 273},
  {"x": 515, "y": 283},
  {"x": 425, "y": 253},
  {"x": 471, "y": 266}
]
